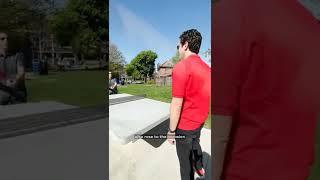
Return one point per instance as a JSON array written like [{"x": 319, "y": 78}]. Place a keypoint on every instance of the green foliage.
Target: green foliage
[
  {"x": 19, "y": 17},
  {"x": 175, "y": 59},
  {"x": 152, "y": 81},
  {"x": 144, "y": 63},
  {"x": 129, "y": 69},
  {"x": 136, "y": 74},
  {"x": 65, "y": 26},
  {"x": 81, "y": 24},
  {"x": 115, "y": 75}
]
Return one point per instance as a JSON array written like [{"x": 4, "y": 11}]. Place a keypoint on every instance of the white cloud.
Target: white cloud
[{"x": 143, "y": 34}]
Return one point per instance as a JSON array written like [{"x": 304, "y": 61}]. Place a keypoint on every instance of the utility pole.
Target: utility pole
[
  {"x": 207, "y": 54},
  {"x": 52, "y": 50},
  {"x": 40, "y": 47},
  {"x": 52, "y": 45}
]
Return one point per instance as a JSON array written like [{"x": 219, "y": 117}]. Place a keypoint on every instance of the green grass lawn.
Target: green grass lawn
[
  {"x": 160, "y": 93},
  {"x": 80, "y": 88}
]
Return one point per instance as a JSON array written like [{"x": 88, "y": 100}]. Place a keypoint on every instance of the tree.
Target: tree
[
  {"x": 209, "y": 54},
  {"x": 116, "y": 59},
  {"x": 136, "y": 74},
  {"x": 83, "y": 25},
  {"x": 129, "y": 69},
  {"x": 20, "y": 17},
  {"x": 144, "y": 63},
  {"x": 175, "y": 59}
]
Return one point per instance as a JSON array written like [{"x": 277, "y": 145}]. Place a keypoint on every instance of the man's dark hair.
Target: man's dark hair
[{"x": 193, "y": 37}]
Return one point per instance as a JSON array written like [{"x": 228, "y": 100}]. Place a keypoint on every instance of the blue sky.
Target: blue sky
[{"x": 137, "y": 25}]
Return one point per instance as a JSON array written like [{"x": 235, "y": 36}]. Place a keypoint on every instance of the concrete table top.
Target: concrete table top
[
  {"x": 126, "y": 120},
  {"x": 77, "y": 151},
  {"x": 18, "y": 110},
  {"x": 115, "y": 96}
]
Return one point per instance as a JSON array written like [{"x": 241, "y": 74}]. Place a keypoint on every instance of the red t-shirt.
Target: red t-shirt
[
  {"x": 191, "y": 81},
  {"x": 265, "y": 68}
]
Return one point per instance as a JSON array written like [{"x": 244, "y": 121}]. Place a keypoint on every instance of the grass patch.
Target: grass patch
[
  {"x": 207, "y": 124},
  {"x": 160, "y": 93},
  {"x": 80, "y": 88}
]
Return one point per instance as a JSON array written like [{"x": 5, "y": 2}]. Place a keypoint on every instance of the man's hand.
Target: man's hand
[
  {"x": 11, "y": 83},
  {"x": 171, "y": 137},
  {"x": 112, "y": 87}
]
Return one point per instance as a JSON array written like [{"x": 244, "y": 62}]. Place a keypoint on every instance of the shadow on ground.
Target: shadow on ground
[{"x": 161, "y": 129}]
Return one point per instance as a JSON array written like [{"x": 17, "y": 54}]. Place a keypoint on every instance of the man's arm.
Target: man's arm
[
  {"x": 179, "y": 81},
  {"x": 221, "y": 132},
  {"x": 20, "y": 77},
  {"x": 114, "y": 84},
  {"x": 175, "y": 112}
]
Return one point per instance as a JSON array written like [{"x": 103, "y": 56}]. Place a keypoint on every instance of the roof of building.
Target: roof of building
[{"x": 167, "y": 64}]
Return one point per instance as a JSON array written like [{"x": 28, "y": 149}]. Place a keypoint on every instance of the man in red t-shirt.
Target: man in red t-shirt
[
  {"x": 265, "y": 88},
  {"x": 191, "y": 89}
]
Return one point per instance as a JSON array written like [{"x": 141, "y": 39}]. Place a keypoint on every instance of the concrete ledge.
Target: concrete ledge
[
  {"x": 18, "y": 110},
  {"x": 77, "y": 152},
  {"x": 136, "y": 118},
  {"x": 17, "y": 126}
]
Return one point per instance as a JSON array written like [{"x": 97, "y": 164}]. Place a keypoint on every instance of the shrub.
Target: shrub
[{"x": 152, "y": 81}]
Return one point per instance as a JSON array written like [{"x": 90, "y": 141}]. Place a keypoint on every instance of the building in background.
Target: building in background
[{"x": 163, "y": 75}]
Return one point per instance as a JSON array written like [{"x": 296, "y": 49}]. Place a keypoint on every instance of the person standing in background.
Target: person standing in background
[
  {"x": 112, "y": 85},
  {"x": 12, "y": 74}
]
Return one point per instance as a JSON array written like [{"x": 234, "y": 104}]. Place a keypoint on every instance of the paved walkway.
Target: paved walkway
[{"x": 141, "y": 161}]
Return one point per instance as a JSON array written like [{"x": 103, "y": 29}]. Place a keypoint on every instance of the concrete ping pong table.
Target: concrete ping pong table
[
  {"x": 134, "y": 115},
  {"x": 53, "y": 141},
  {"x": 141, "y": 159}
]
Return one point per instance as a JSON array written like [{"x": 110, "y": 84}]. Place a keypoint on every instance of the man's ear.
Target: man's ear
[{"x": 186, "y": 46}]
